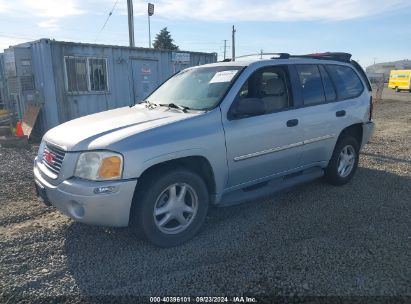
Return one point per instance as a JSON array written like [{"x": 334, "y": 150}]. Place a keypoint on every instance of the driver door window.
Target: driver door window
[{"x": 267, "y": 89}]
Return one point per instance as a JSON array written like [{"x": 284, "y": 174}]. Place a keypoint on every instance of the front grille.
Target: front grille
[{"x": 53, "y": 158}]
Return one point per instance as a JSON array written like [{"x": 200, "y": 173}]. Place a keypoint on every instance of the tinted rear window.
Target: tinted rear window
[
  {"x": 346, "y": 81},
  {"x": 329, "y": 90},
  {"x": 311, "y": 84}
]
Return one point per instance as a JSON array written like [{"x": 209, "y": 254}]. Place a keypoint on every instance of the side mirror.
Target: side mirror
[{"x": 247, "y": 107}]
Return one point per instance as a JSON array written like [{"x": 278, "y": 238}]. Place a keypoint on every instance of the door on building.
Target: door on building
[{"x": 145, "y": 77}]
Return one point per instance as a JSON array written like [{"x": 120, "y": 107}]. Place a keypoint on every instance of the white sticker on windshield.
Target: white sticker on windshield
[{"x": 223, "y": 76}]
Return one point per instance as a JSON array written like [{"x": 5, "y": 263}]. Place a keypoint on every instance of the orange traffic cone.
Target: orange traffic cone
[{"x": 19, "y": 130}]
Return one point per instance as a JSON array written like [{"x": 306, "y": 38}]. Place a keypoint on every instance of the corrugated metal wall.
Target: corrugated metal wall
[{"x": 132, "y": 73}]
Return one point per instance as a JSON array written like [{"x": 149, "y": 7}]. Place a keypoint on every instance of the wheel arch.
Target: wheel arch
[
  {"x": 196, "y": 163},
  {"x": 354, "y": 130}
]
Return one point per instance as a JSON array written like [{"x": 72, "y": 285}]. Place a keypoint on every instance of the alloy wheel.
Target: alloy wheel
[
  {"x": 175, "y": 208},
  {"x": 346, "y": 161}
]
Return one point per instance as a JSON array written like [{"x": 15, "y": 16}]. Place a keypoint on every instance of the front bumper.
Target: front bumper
[
  {"x": 367, "y": 132},
  {"x": 77, "y": 199}
]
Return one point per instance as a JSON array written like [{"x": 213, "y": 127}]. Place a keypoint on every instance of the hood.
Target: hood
[{"x": 98, "y": 131}]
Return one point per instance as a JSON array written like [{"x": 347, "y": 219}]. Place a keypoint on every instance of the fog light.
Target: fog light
[{"x": 104, "y": 190}]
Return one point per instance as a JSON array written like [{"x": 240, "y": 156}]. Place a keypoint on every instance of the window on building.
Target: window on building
[
  {"x": 86, "y": 74},
  {"x": 311, "y": 83},
  {"x": 76, "y": 69},
  {"x": 347, "y": 82},
  {"x": 98, "y": 74},
  {"x": 27, "y": 83}
]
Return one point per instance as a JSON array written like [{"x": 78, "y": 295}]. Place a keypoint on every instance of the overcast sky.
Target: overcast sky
[{"x": 377, "y": 30}]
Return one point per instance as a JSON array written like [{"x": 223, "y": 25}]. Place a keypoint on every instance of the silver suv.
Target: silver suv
[{"x": 217, "y": 134}]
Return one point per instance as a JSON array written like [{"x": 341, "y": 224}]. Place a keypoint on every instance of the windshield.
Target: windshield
[{"x": 198, "y": 89}]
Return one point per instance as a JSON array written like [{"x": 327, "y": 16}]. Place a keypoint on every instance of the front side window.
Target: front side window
[
  {"x": 347, "y": 82},
  {"x": 267, "y": 89},
  {"x": 199, "y": 88},
  {"x": 311, "y": 84}
]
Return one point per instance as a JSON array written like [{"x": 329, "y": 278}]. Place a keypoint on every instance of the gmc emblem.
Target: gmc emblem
[{"x": 48, "y": 157}]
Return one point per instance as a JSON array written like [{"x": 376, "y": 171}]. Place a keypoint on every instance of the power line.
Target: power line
[{"x": 108, "y": 17}]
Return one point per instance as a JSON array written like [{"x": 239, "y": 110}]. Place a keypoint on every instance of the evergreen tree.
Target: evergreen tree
[{"x": 164, "y": 41}]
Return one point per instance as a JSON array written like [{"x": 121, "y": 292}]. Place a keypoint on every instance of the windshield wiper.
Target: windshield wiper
[
  {"x": 150, "y": 104},
  {"x": 175, "y": 106}
]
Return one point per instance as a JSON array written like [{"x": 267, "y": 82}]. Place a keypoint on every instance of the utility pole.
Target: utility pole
[
  {"x": 261, "y": 54},
  {"x": 225, "y": 48},
  {"x": 233, "y": 44},
  {"x": 130, "y": 22}
]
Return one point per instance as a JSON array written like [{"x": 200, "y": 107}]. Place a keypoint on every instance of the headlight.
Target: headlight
[{"x": 99, "y": 165}]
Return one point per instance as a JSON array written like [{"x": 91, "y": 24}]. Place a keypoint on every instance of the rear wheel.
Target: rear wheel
[
  {"x": 397, "y": 89},
  {"x": 170, "y": 208},
  {"x": 344, "y": 161}
]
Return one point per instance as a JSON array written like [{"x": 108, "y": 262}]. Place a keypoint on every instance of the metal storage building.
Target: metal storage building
[{"x": 70, "y": 79}]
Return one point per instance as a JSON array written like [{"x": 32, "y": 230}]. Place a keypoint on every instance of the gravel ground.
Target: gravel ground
[{"x": 311, "y": 240}]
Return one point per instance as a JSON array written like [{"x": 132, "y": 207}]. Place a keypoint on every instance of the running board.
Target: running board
[{"x": 266, "y": 188}]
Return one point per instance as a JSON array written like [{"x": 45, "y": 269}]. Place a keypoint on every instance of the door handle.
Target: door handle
[
  {"x": 340, "y": 113},
  {"x": 292, "y": 122}
]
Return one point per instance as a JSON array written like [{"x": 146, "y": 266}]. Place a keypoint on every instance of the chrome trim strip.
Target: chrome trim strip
[
  {"x": 264, "y": 152},
  {"x": 315, "y": 139},
  {"x": 282, "y": 148}
]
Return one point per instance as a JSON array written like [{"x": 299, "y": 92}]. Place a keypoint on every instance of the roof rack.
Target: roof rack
[
  {"x": 280, "y": 55},
  {"x": 338, "y": 56}
]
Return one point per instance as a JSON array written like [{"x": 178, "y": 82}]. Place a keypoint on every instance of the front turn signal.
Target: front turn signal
[{"x": 110, "y": 168}]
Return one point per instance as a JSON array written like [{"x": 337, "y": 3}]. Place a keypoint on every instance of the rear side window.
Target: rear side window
[
  {"x": 311, "y": 83},
  {"x": 329, "y": 90},
  {"x": 347, "y": 82}
]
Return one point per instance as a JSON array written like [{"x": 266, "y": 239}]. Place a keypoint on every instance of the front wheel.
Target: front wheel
[
  {"x": 171, "y": 207},
  {"x": 344, "y": 161}
]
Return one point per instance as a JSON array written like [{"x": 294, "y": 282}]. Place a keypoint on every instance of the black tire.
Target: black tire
[
  {"x": 142, "y": 218},
  {"x": 332, "y": 174},
  {"x": 397, "y": 89}
]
